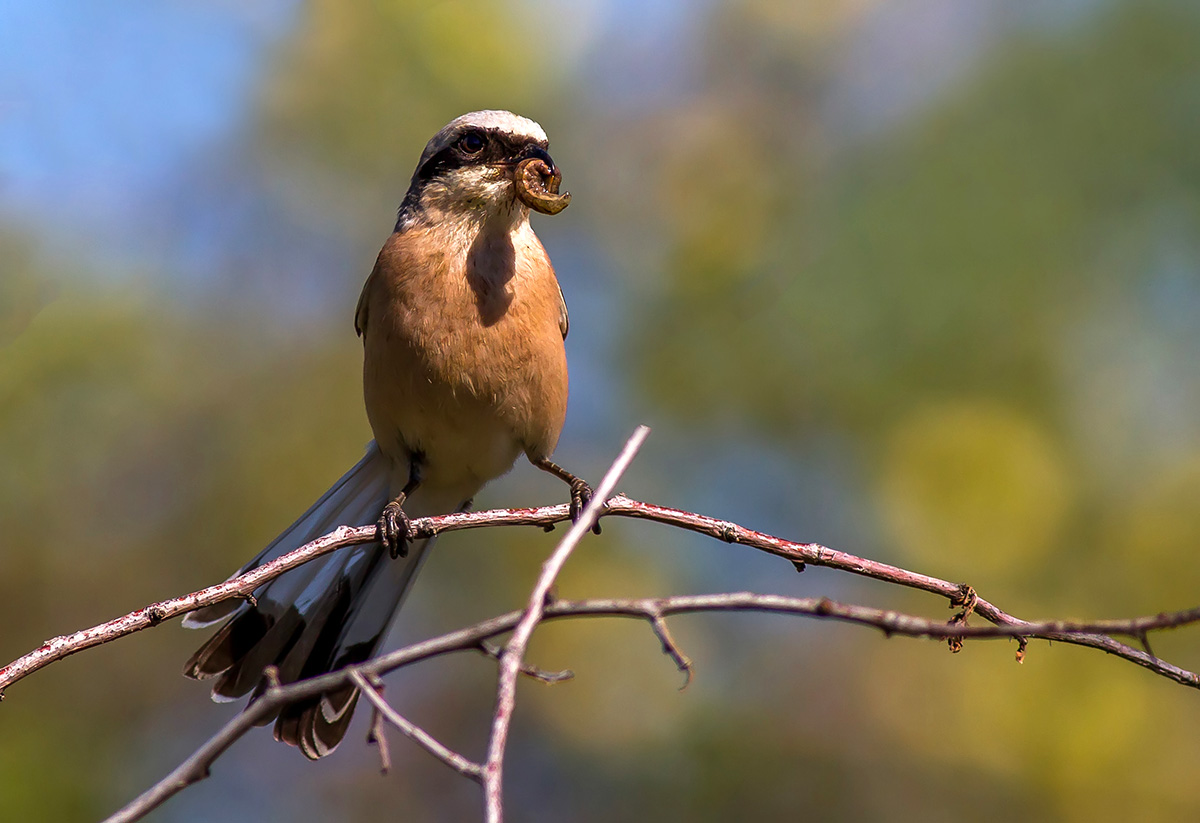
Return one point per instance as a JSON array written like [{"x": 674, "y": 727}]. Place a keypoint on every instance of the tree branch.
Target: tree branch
[
  {"x": 1094, "y": 634},
  {"x": 617, "y": 506},
  {"x": 513, "y": 655},
  {"x": 197, "y": 766},
  {"x": 652, "y": 610}
]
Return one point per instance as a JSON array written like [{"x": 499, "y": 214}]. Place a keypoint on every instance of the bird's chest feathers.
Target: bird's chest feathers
[
  {"x": 464, "y": 348},
  {"x": 490, "y": 271},
  {"x": 469, "y": 313}
]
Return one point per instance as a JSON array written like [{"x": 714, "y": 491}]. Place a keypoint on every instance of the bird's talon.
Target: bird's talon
[
  {"x": 581, "y": 495},
  {"x": 394, "y": 527}
]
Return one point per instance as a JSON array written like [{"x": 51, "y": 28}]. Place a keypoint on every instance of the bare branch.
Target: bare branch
[
  {"x": 886, "y": 620},
  {"x": 196, "y": 767},
  {"x": 670, "y": 648},
  {"x": 373, "y": 692},
  {"x": 1095, "y": 634},
  {"x": 242, "y": 587},
  {"x": 533, "y": 672},
  {"x": 620, "y": 506},
  {"x": 377, "y": 735},
  {"x": 514, "y": 652}
]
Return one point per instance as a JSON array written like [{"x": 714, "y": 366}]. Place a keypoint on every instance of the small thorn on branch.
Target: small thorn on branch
[
  {"x": 528, "y": 669},
  {"x": 1144, "y": 638},
  {"x": 670, "y": 648},
  {"x": 376, "y": 734}
]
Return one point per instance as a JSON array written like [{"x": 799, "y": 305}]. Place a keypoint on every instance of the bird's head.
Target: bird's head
[{"x": 481, "y": 164}]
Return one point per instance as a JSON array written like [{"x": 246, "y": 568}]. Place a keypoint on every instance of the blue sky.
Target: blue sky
[
  {"x": 98, "y": 102},
  {"x": 102, "y": 104}
]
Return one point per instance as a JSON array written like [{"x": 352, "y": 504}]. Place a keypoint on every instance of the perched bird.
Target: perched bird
[{"x": 464, "y": 370}]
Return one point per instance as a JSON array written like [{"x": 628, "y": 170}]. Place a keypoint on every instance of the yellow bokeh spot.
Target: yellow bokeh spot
[
  {"x": 1159, "y": 523},
  {"x": 973, "y": 487},
  {"x": 1064, "y": 725}
]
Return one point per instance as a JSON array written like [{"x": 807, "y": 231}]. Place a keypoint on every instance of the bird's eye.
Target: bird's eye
[{"x": 471, "y": 142}]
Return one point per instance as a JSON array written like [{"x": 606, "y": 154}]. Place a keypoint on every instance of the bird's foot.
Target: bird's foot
[
  {"x": 581, "y": 495},
  {"x": 394, "y": 529},
  {"x": 581, "y": 492}
]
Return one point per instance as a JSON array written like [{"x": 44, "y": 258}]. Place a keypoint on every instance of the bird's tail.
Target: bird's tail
[{"x": 318, "y": 617}]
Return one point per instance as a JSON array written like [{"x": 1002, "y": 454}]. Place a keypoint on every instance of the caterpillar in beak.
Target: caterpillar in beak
[{"x": 537, "y": 186}]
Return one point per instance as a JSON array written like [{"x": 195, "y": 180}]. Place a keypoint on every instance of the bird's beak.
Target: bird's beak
[
  {"x": 537, "y": 179},
  {"x": 540, "y": 154}
]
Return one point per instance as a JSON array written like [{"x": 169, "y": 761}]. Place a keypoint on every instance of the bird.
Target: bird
[{"x": 463, "y": 326}]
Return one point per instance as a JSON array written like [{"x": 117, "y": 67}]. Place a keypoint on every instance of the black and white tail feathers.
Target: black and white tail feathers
[{"x": 319, "y": 617}]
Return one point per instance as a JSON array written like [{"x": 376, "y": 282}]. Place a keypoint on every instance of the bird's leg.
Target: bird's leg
[
  {"x": 394, "y": 525},
  {"x": 581, "y": 492}
]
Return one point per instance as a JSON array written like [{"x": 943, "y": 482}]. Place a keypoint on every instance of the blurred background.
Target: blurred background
[{"x": 919, "y": 281}]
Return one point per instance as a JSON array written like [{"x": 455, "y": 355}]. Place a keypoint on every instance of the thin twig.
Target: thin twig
[
  {"x": 196, "y": 767},
  {"x": 529, "y": 670},
  {"x": 514, "y": 652},
  {"x": 670, "y": 648},
  {"x": 377, "y": 735},
  {"x": 465, "y": 767}
]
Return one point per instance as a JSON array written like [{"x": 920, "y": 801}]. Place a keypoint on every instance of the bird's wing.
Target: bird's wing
[
  {"x": 360, "y": 311},
  {"x": 564, "y": 319}
]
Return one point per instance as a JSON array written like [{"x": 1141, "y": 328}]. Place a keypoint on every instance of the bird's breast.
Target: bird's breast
[{"x": 464, "y": 360}]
